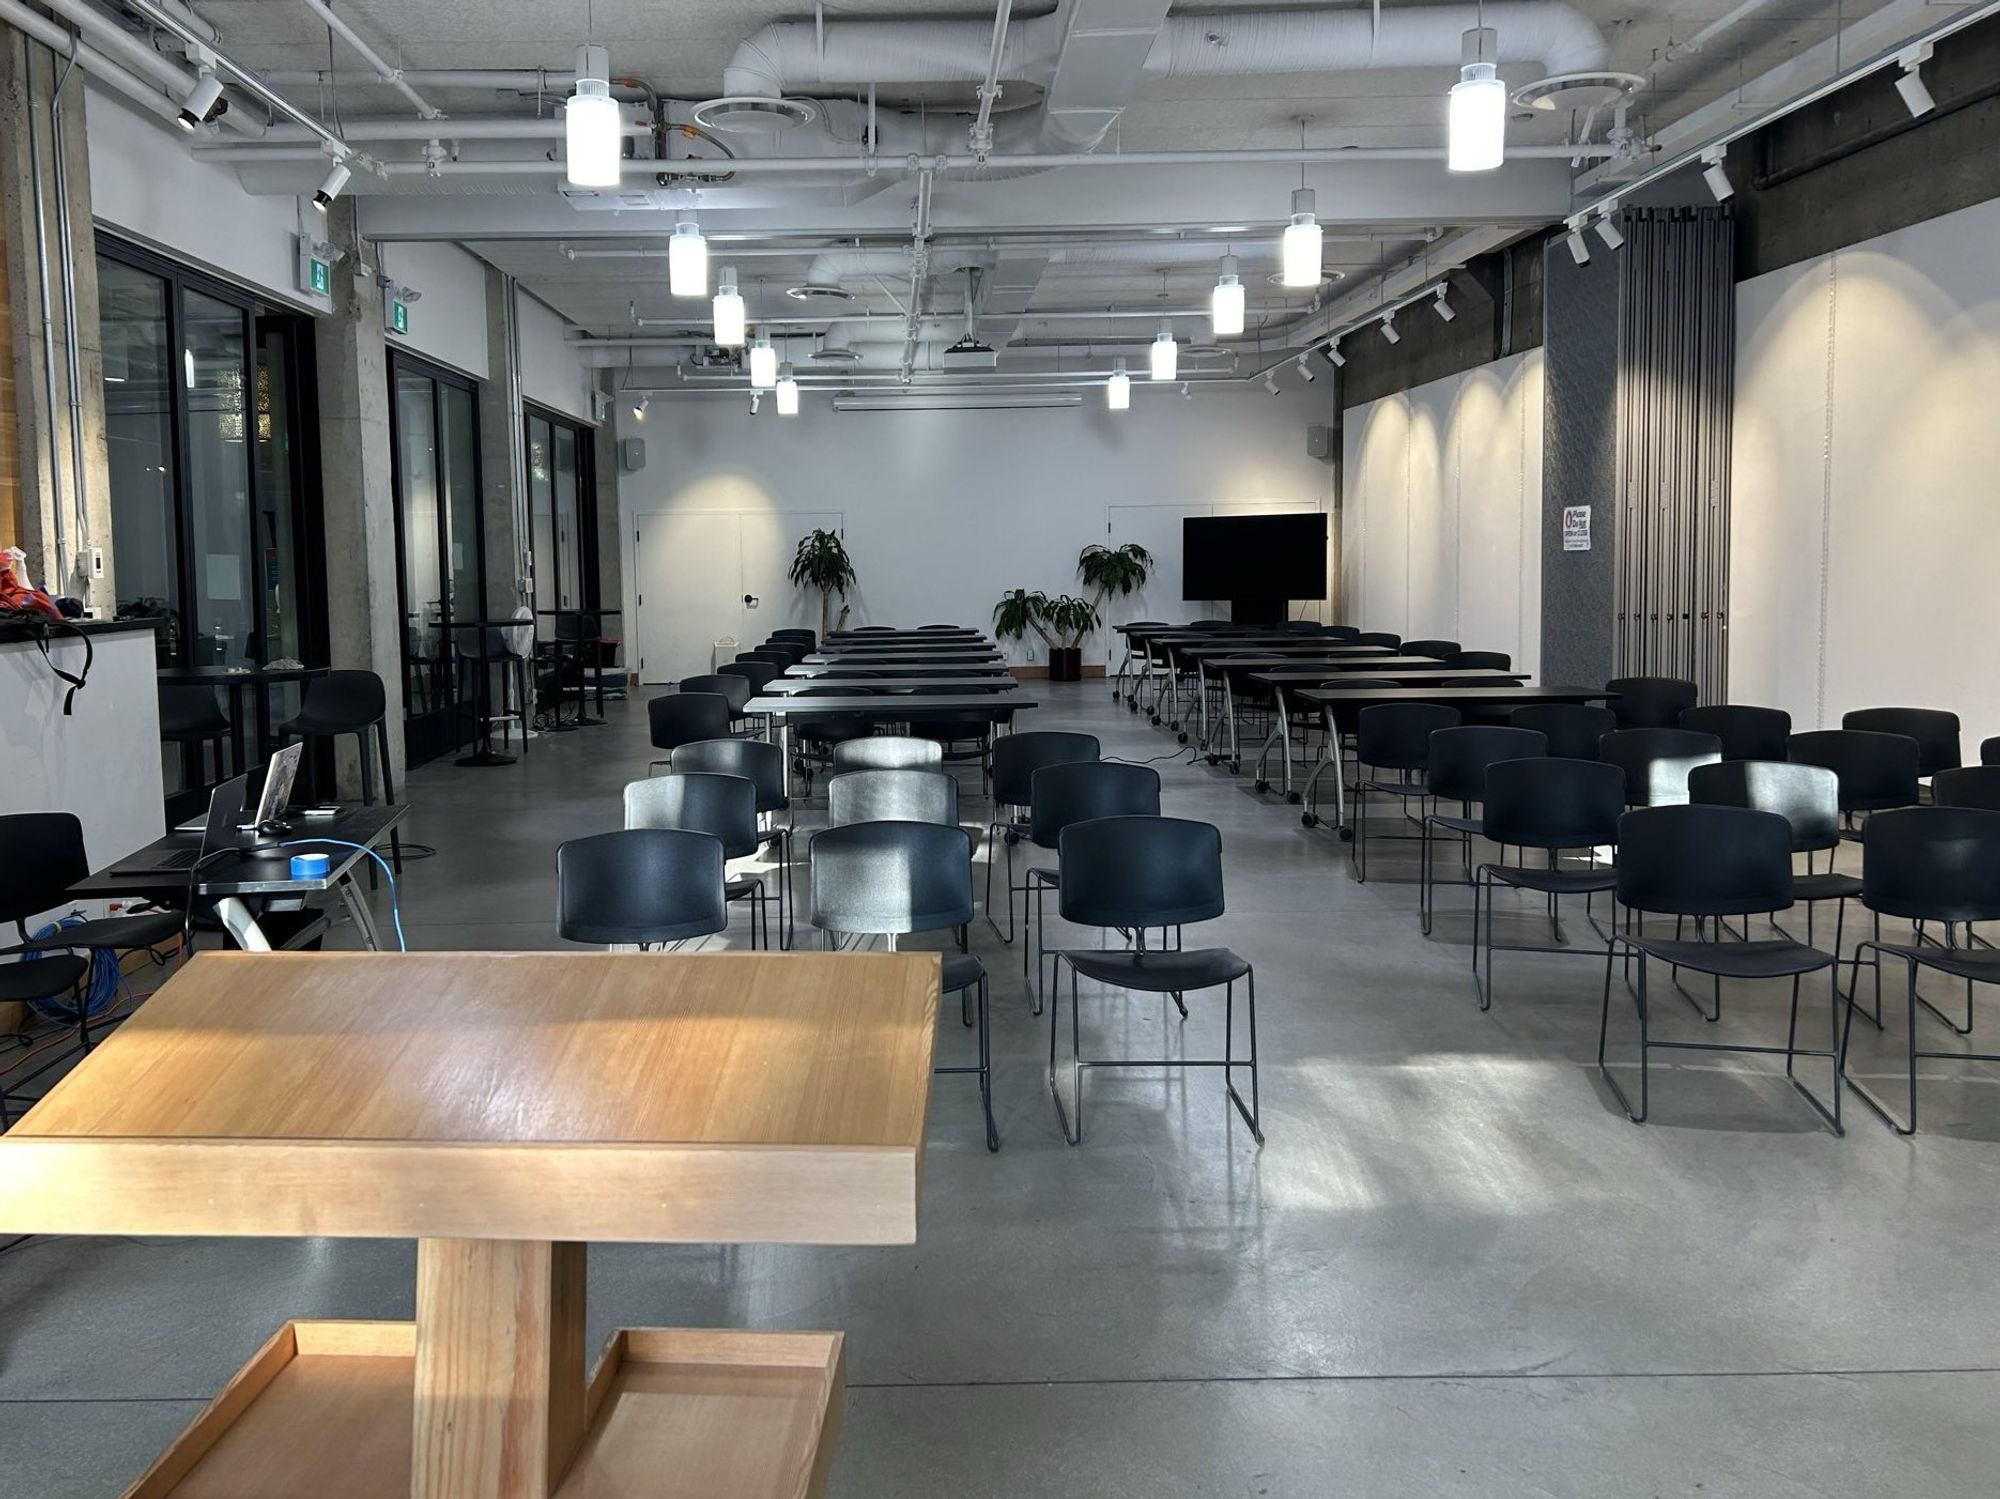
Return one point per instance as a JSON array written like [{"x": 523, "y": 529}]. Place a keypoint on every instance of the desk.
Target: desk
[
  {"x": 1345, "y": 702},
  {"x": 883, "y": 708},
  {"x": 853, "y": 637},
  {"x": 769, "y": 1098},
  {"x": 899, "y": 683},
  {"x": 238, "y": 680},
  {"x": 1383, "y": 671},
  {"x": 891, "y": 669},
  {"x": 926, "y": 657},
  {"x": 235, "y": 880}
]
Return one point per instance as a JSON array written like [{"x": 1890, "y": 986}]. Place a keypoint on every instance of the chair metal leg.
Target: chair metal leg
[
  {"x": 1074, "y": 1136},
  {"x": 1603, "y": 1029},
  {"x": 986, "y": 1072}
]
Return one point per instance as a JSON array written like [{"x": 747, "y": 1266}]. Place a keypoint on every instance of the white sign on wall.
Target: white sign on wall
[{"x": 1576, "y": 528}]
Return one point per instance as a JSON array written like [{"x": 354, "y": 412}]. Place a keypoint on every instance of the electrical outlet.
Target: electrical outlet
[
  {"x": 97, "y": 563},
  {"x": 1031, "y": 653}
]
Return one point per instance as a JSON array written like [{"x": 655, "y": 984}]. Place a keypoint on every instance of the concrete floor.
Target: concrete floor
[{"x": 1455, "y": 1269}]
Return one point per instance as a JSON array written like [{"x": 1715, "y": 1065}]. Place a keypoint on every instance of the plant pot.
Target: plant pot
[{"x": 1066, "y": 663}]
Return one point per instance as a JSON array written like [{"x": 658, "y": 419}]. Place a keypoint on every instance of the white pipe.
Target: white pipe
[
  {"x": 63, "y": 555},
  {"x": 155, "y": 12},
  {"x": 1713, "y": 30},
  {"x": 980, "y": 137},
  {"x": 133, "y": 53},
  {"x": 106, "y": 70},
  {"x": 389, "y": 75},
  {"x": 537, "y": 80},
  {"x": 469, "y": 128}
]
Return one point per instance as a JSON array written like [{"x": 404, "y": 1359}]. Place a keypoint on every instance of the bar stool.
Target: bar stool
[
  {"x": 350, "y": 702},
  {"x": 191, "y": 716}
]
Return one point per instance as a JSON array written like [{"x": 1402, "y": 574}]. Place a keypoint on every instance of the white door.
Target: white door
[{"x": 708, "y": 574}]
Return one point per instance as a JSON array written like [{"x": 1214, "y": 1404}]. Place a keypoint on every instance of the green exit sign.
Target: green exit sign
[
  {"x": 315, "y": 271},
  {"x": 320, "y": 283},
  {"x": 399, "y": 317}
]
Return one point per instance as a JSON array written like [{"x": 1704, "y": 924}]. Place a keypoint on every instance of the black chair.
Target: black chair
[
  {"x": 887, "y": 752},
  {"x": 1746, "y": 733},
  {"x": 1458, "y": 761},
  {"x": 1393, "y": 736},
  {"x": 1137, "y": 873},
  {"x": 1377, "y": 637},
  {"x": 349, "y": 702},
  {"x": 769, "y": 656},
  {"x": 1713, "y": 862},
  {"x": 761, "y": 764},
  {"x": 1549, "y": 804},
  {"x": 1934, "y": 729},
  {"x": 1656, "y": 762},
  {"x": 815, "y": 739},
  {"x": 905, "y": 794},
  {"x": 1443, "y": 650},
  {"x": 1968, "y": 786},
  {"x": 1480, "y": 661},
  {"x": 1076, "y": 792},
  {"x": 1016, "y": 758},
  {"x": 1808, "y": 798},
  {"x": 960, "y": 733},
  {"x": 873, "y": 630},
  {"x": 723, "y": 806},
  {"x": 1651, "y": 702},
  {"x": 191, "y": 716},
  {"x": 891, "y": 879},
  {"x": 1989, "y": 751},
  {"x": 678, "y": 718},
  {"x": 1572, "y": 729},
  {"x": 1299, "y": 627},
  {"x": 1877, "y": 771},
  {"x": 641, "y": 887},
  {"x": 794, "y": 650},
  {"x": 1925, "y": 864},
  {"x": 952, "y": 629},
  {"x": 1341, "y": 632},
  {"x": 805, "y": 637},
  {"x": 731, "y": 685},
  {"x": 756, "y": 673}
]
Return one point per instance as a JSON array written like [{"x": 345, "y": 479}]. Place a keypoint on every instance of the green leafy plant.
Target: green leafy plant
[
  {"x": 1061, "y": 622},
  {"x": 821, "y": 562},
  {"x": 1114, "y": 570}
]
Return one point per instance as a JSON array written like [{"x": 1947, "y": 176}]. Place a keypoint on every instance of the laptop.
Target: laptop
[
  {"x": 280, "y": 775},
  {"x": 225, "y": 810}
]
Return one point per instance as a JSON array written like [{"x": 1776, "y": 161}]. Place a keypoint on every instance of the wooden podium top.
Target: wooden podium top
[{"x": 706, "y": 1098}]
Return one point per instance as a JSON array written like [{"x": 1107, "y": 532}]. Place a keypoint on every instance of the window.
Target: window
[{"x": 562, "y": 512}]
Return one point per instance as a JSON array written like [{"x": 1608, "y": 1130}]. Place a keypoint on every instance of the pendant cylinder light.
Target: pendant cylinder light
[
  {"x": 1118, "y": 389},
  {"x": 592, "y": 142},
  {"x": 730, "y": 327},
  {"x": 687, "y": 261},
  {"x": 763, "y": 363},
  {"x": 1226, "y": 305},
  {"x": 788, "y": 392},
  {"x": 1300, "y": 248},
  {"x": 1165, "y": 354},
  {"x": 1478, "y": 108}
]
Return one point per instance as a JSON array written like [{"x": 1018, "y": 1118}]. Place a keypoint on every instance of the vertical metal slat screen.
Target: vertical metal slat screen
[{"x": 1676, "y": 367}]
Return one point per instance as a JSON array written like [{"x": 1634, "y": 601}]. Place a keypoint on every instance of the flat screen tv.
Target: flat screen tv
[{"x": 1254, "y": 558}]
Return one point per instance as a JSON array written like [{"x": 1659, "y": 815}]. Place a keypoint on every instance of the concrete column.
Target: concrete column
[
  {"x": 611, "y": 530},
  {"x": 63, "y": 496},
  {"x": 364, "y": 610},
  {"x": 504, "y": 510}
]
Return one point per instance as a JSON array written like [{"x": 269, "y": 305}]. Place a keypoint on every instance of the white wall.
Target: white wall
[
  {"x": 1441, "y": 512},
  {"x": 946, "y": 510},
  {"x": 1865, "y": 537},
  {"x": 551, "y": 371},
  {"x": 145, "y": 186},
  {"x": 448, "y": 324}
]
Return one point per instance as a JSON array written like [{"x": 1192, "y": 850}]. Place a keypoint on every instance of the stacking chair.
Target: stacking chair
[
  {"x": 350, "y": 702},
  {"x": 1549, "y": 804},
  {"x": 191, "y": 716},
  {"x": 1016, "y": 758},
  {"x": 805, "y": 637},
  {"x": 731, "y": 685},
  {"x": 796, "y": 650},
  {"x": 678, "y": 718},
  {"x": 1443, "y": 650},
  {"x": 761, "y": 764},
  {"x": 1989, "y": 751},
  {"x": 642, "y": 887},
  {"x": 886, "y": 752},
  {"x": 1746, "y": 733},
  {"x": 1137, "y": 873},
  {"x": 816, "y": 739},
  {"x": 1572, "y": 729},
  {"x": 1077, "y": 792},
  {"x": 1713, "y": 862},
  {"x": 1377, "y": 637},
  {"x": 770, "y": 656},
  {"x": 891, "y": 879},
  {"x": 1934, "y": 729},
  {"x": 1877, "y": 771},
  {"x": 953, "y": 629},
  {"x": 874, "y": 630},
  {"x": 723, "y": 806},
  {"x": 1299, "y": 627},
  {"x": 1393, "y": 736},
  {"x": 1458, "y": 762},
  {"x": 1480, "y": 661},
  {"x": 1924, "y": 864},
  {"x": 1968, "y": 786},
  {"x": 1650, "y": 702},
  {"x": 1341, "y": 632},
  {"x": 1656, "y": 762},
  {"x": 756, "y": 673},
  {"x": 904, "y": 794},
  {"x": 1808, "y": 798}
]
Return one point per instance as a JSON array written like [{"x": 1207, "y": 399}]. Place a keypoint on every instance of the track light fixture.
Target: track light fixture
[
  {"x": 1333, "y": 353},
  {"x": 1607, "y": 227},
  {"x": 1477, "y": 113},
  {"x": 1225, "y": 304},
  {"x": 592, "y": 140},
  {"x": 1910, "y": 83},
  {"x": 730, "y": 325},
  {"x": 1271, "y": 381},
  {"x": 1305, "y": 368},
  {"x": 204, "y": 104},
  {"x": 1389, "y": 329},
  {"x": 756, "y": 400},
  {"x": 1118, "y": 389},
  {"x": 1579, "y": 247},
  {"x": 1716, "y": 175},
  {"x": 1441, "y": 307},
  {"x": 639, "y": 406},
  {"x": 330, "y": 185}
]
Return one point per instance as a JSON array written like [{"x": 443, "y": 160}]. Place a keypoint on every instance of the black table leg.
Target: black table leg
[{"x": 482, "y": 729}]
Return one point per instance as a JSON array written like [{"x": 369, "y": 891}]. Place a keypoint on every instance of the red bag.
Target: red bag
[{"x": 16, "y": 593}]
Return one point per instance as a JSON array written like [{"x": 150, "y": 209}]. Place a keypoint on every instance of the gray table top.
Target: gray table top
[
  {"x": 1421, "y": 677},
  {"x": 849, "y": 637},
  {"x": 890, "y": 655},
  {"x": 989, "y": 684},
  {"x": 238, "y": 874},
  {"x": 1500, "y": 692},
  {"x": 880, "y": 705},
  {"x": 889, "y": 670}
]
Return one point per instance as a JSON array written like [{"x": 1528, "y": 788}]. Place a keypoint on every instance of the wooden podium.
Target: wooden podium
[{"x": 502, "y": 1110}]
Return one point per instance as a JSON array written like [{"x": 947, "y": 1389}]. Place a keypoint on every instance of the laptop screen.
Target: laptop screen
[{"x": 278, "y": 778}]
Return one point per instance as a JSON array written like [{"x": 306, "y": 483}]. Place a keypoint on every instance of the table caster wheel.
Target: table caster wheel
[
  {"x": 1347, "y": 835},
  {"x": 1294, "y": 797},
  {"x": 1262, "y": 787},
  {"x": 1215, "y": 759},
  {"x": 1309, "y": 820},
  {"x": 1236, "y": 767},
  {"x": 1181, "y": 738}
]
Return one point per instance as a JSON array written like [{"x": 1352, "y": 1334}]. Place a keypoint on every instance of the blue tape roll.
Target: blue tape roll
[{"x": 311, "y": 866}]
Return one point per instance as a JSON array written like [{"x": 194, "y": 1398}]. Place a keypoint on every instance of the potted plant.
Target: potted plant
[
  {"x": 1061, "y": 622},
  {"x": 1108, "y": 570},
  {"x": 821, "y": 562}
]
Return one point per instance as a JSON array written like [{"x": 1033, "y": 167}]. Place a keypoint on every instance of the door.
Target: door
[{"x": 703, "y": 575}]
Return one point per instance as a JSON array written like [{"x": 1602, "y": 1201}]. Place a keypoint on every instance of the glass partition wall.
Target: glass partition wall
[{"x": 562, "y": 512}]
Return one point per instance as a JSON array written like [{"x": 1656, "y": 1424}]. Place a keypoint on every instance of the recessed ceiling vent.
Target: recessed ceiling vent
[
  {"x": 812, "y": 291},
  {"x": 750, "y": 114}
]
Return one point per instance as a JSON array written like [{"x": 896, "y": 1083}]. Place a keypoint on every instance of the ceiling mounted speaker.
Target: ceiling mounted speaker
[{"x": 815, "y": 292}]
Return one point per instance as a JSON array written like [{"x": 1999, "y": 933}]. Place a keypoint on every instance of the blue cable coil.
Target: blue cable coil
[{"x": 100, "y": 989}]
